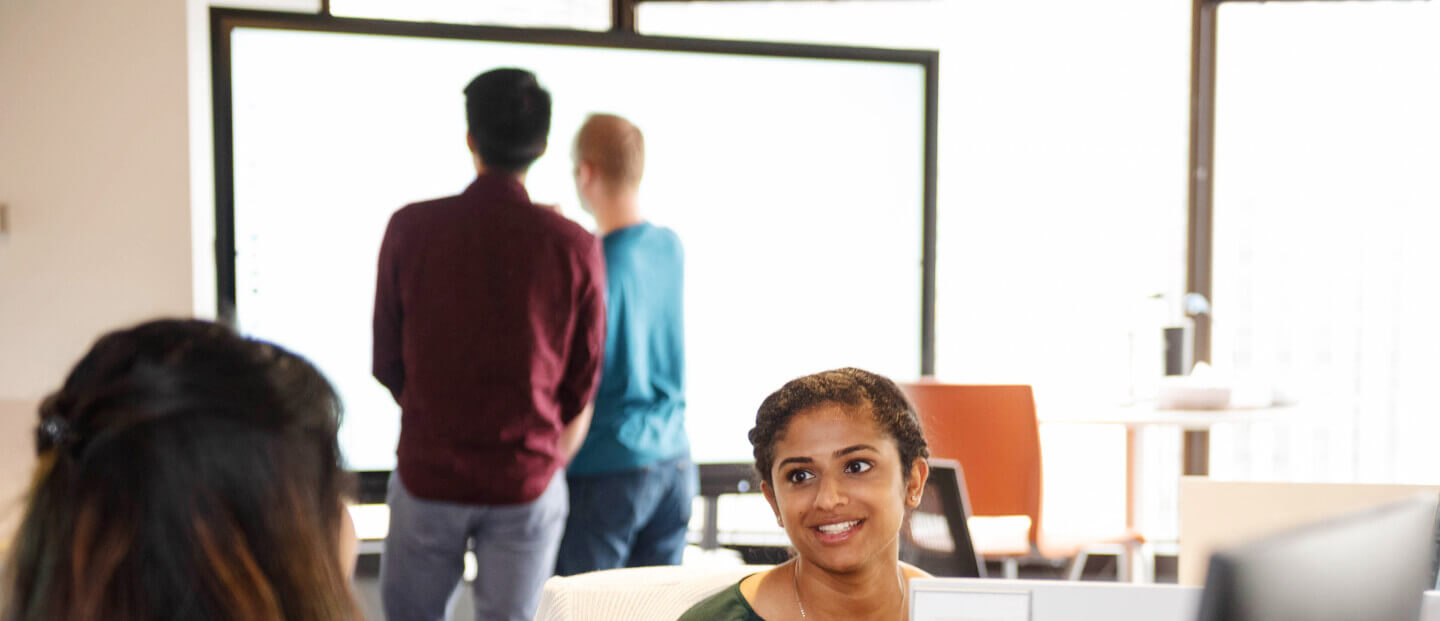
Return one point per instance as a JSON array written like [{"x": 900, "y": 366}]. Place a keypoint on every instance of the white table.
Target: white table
[{"x": 1138, "y": 418}]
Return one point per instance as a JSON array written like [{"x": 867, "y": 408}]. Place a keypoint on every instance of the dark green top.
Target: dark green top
[{"x": 727, "y": 605}]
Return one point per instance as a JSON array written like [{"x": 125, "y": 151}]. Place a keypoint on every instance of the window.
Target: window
[
  {"x": 1061, "y": 225},
  {"x": 578, "y": 14},
  {"x": 1326, "y": 214}
]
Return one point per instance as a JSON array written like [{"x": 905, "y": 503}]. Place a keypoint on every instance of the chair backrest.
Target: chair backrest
[
  {"x": 936, "y": 538},
  {"x": 992, "y": 431},
  {"x": 635, "y": 593}
]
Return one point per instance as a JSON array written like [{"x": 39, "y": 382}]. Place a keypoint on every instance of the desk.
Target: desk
[
  {"x": 719, "y": 480},
  {"x": 738, "y": 520}
]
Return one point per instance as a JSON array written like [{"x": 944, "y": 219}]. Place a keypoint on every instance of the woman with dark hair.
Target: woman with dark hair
[
  {"x": 841, "y": 458},
  {"x": 185, "y": 473}
]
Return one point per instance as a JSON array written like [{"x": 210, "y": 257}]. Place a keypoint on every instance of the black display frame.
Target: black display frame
[{"x": 223, "y": 21}]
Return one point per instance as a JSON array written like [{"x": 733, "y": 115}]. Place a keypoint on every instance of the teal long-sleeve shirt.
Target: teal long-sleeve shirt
[{"x": 640, "y": 405}]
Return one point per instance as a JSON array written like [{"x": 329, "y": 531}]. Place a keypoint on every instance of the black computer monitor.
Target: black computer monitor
[{"x": 1371, "y": 565}]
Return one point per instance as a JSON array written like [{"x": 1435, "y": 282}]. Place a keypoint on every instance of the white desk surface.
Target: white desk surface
[{"x": 1146, "y": 414}]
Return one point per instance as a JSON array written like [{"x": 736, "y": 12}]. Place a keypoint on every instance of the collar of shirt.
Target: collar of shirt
[{"x": 499, "y": 187}]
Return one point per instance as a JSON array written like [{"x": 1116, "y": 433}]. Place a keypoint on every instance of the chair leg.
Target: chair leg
[
  {"x": 1135, "y": 563},
  {"x": 1124, "y": 566},
  {"x": 1011, "y": 568},
  {"x": 1077, "y": 566}
]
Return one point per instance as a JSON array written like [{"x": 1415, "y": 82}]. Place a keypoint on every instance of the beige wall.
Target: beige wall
[
  {"x": 16, "y": 452},
  {"x": 99, "y": 103},
  {"x": 94, "y": 163}
]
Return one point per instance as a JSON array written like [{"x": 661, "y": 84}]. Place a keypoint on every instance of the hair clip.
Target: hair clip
[{"x": 54, "y": 432}]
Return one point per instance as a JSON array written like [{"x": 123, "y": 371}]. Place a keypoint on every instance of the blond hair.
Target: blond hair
[{"x": 614, "y": 148}]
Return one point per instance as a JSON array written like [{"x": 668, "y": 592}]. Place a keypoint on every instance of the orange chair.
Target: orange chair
[{"x": 993, "y": 432}]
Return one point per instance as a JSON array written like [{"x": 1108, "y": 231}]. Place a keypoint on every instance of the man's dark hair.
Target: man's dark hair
[
  {"x": 509, "y": 118},
  {"x": 855, "y": 388}
]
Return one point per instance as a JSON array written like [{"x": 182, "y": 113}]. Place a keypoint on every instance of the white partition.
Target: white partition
[
  {"x": 979, "y": 599},
  {"x": 1214, "y": 514}
]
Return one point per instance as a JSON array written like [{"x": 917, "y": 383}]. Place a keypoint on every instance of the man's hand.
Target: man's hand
[{"x": 573, "y": 436}]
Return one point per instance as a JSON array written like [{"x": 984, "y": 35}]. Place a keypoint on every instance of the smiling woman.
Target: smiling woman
[{"x": 841, "y": 457}]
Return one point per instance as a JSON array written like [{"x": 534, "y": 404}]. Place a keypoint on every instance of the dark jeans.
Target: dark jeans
[{"x": 633, "y": 518}]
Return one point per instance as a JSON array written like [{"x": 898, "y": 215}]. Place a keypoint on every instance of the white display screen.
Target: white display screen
[{"x": 797, "y": 186}]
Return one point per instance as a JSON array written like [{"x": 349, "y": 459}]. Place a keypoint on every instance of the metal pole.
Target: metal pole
[
  {"x": 622, "y": 16},
  {"x": 1200, "y": 237}
]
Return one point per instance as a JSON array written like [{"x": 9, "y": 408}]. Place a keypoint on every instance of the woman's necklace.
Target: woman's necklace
[{"x": 795, "y": 579}]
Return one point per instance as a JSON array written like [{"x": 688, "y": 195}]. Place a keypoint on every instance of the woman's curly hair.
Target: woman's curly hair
[{"x": 850, "y": 387}]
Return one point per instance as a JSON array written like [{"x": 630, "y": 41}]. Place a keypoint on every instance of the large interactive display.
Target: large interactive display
[{"x": 800, "y": 180}]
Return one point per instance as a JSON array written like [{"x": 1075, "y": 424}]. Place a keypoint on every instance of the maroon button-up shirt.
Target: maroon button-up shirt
[{"x": 489, "y": 331}]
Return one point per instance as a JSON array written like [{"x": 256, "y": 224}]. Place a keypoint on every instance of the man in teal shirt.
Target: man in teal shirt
[{"x": 632, "y": 483}]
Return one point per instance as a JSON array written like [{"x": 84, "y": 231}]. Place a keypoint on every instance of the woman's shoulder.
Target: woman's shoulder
[{"x": 727, "y": 605}]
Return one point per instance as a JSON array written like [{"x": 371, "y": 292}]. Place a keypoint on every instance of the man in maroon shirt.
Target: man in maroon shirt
[{"x": 489, "y": 330}]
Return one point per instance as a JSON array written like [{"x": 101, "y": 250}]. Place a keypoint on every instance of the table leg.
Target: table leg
[
  {"x": 1196, "y": 453},
  {"x": 1133, "y": 480},
  {"x": 1132, "y": 566},
  {"x": 710, "y": 524}
]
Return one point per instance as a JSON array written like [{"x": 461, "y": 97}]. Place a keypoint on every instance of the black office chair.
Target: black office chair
[{"x": 936, "y": 538}]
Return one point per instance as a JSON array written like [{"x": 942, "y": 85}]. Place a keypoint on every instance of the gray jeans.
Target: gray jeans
[{"x": 514, "y": 545}]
